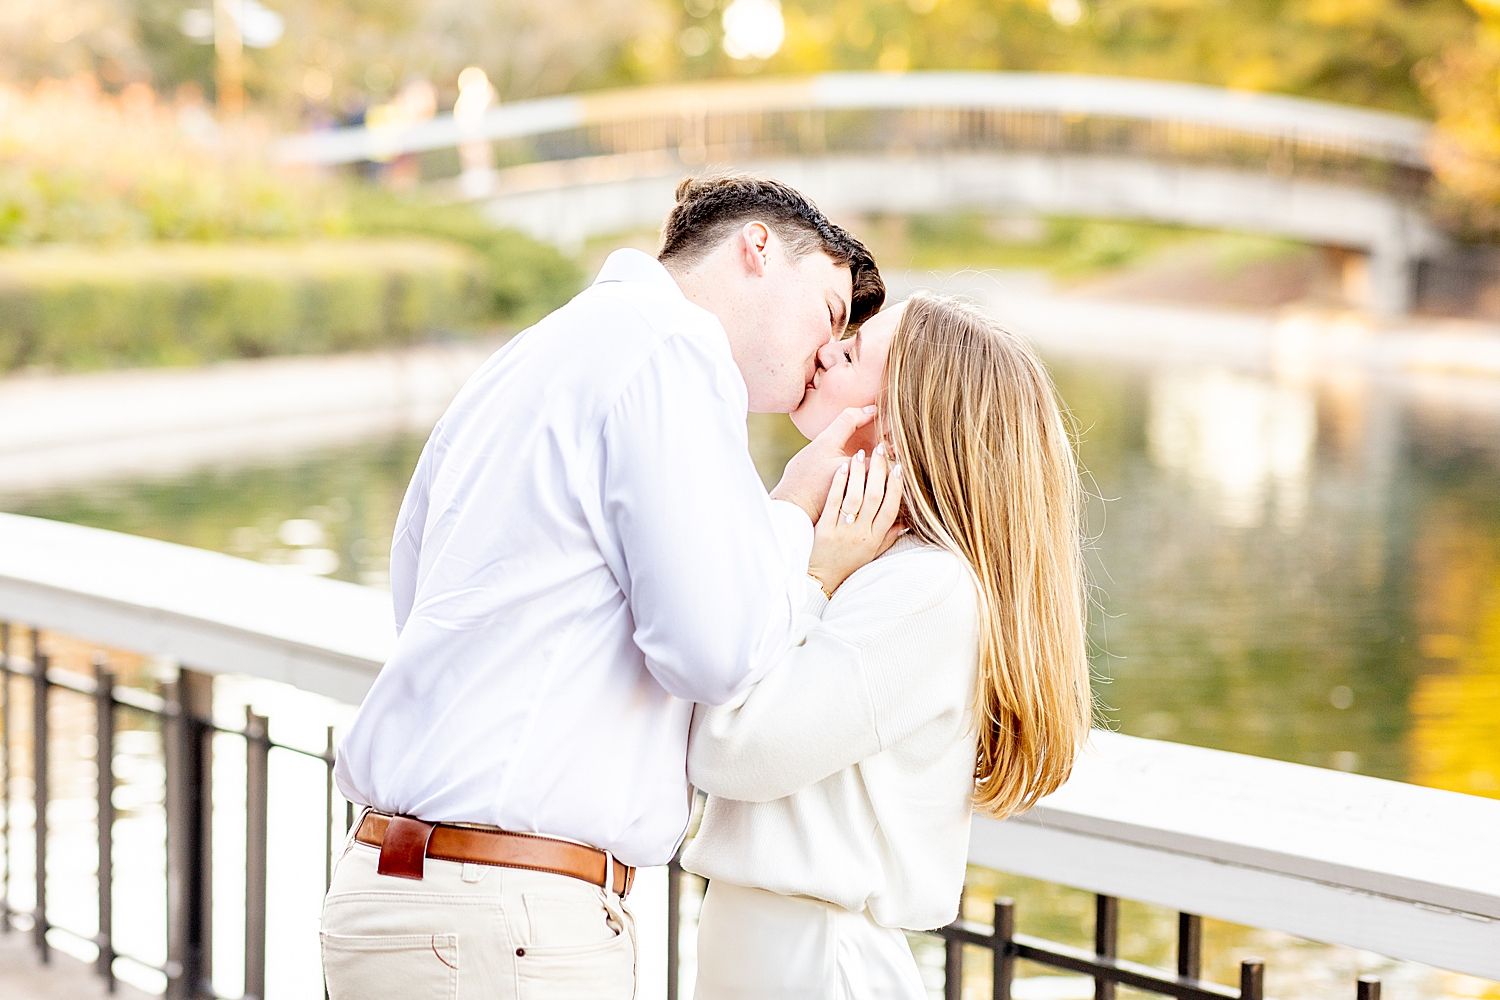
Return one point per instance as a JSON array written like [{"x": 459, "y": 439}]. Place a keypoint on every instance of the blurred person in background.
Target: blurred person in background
[{"x": 584, "y": 552}]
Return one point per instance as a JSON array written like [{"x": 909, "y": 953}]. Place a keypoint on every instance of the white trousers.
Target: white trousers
[
  {"x": 472, "y": 932},
  {"x": 757, "y": 945}
]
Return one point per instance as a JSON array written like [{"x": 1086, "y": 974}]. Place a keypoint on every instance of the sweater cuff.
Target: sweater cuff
[{"x": 816, "y": 600}]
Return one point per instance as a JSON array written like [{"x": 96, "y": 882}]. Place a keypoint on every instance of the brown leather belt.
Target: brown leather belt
[{"x": 405, "y": 842}]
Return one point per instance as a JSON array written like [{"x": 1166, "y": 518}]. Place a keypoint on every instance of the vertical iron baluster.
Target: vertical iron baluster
[
  {"x": 1252, "y": 979},
  {"x": 1005, "y": 959},
  {"x": 104, "y": 757},
  {"x": 1106, "y": 940},
  {"x": 328, "y": 815},
  {"x": 188, "y": 751},
  {"x": 5, "y": 772},
  {"x": 39, "y": 699},
  {"x": 257, "y": 766},
  {"x": 1189, "y": 946},
  {"x": 953, "y": 967},
  {"x": 674, "y": 922},
  {"x": 1368, "y": 988},
  {"x": 953, "y": 958}
]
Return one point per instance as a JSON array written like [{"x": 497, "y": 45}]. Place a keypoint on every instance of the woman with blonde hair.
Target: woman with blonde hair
[{"x": 947, "y": 675}]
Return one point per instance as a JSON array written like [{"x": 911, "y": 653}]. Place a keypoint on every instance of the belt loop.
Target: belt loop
[{"x": 609, "y": 872}]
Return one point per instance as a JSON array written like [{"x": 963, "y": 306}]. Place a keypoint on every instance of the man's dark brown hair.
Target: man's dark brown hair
[{"x": 711, "y": 207}]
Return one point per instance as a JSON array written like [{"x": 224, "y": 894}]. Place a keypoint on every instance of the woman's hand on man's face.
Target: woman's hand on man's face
[
  {"x": 858, "y": 521},
  {"x": 805, "y": 481}
]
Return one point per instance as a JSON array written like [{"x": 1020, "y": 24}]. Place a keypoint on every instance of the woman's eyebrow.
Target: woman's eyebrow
[{"x": 858, "y": 339}]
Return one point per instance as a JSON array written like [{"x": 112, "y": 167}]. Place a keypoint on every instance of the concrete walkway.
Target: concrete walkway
[
  {"x": 62, "y": 429},
  {"x": 59, "y": 430},
  {"x": 22, "y": 977}
]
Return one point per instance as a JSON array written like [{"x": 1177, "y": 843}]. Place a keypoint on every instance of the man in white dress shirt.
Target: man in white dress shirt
[{"x": 584, "y": 552}]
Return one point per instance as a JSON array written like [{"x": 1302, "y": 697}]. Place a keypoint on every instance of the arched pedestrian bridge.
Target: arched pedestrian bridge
[{"x": 590, "y": 164}]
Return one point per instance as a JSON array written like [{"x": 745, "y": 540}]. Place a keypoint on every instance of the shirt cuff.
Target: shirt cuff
[{"x": 794, "y": 533}]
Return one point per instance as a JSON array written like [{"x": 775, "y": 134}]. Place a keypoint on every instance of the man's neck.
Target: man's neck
[{"x": 695, "y": 288}]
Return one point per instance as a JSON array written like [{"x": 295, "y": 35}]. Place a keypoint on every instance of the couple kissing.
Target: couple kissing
[{"x": 601, "y": 608}]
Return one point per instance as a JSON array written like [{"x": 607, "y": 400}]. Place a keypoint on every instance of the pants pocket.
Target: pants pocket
[
  {"x": 415, "y": 966},
  {"x": 579, "y": 948}
]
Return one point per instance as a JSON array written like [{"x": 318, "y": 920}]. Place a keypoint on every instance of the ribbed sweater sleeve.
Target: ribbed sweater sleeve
[{"x": 846, "y": 692}]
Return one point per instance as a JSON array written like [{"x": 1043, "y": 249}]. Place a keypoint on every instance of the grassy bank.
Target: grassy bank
[
  {"x": 142, "y": 232},
  {"x": 68, "y": 307}
]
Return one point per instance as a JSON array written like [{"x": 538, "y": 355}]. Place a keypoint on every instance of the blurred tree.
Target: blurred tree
[
  {"x": 39, "y": 40},
  {"x": 1463, "y": 84},
  {"x": 1354, "y": 51},
  {"x": 342, "y": 54},
  {"x": 339, "y": 57}
]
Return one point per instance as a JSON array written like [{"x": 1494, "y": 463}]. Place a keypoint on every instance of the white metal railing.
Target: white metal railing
[
  {"x": 1412, "y": 873},
  {"x": 1380, "y": 135}
]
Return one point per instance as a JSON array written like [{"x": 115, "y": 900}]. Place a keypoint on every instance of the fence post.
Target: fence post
[
  {"x": 187, "y": 746},
  {"x": 257, "y": 765},
  {"x": 1106, "y": 939},
  {"x": 39, "y": 693},
  {"x": 1005, "y": 959},
  {"x": 1252, "y": 979},
  {"x": 953, "y": 965},
  {"x": 674, "y": 923},
  {"x": 328, "y": 761},
  {"x": 1189, "y": 946},
  {"x": 5, "y": 771},
  {"x": 104, "y": 729}
]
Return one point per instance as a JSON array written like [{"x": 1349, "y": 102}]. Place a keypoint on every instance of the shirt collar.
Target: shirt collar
[{"x": 633, "y": 265}]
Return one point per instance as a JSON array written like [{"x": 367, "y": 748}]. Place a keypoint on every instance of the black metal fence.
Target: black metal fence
[
  {"x": 183, "y": 710},
  {"x": 1006, "y": 948}
]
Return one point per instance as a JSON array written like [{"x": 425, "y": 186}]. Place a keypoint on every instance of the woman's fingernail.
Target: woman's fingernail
[
  {"x": 859, "y": 456},
  {"x": 880, "y": 448},
  {"x": 896, "y": 469},
  {"x": 870, "y": 409}
]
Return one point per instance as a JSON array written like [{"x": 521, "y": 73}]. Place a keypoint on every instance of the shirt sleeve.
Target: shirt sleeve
[
  {"x": 864, "y": 678},
  {"x": 406, "y": 541},
  {"x": 713, "y": 569}
]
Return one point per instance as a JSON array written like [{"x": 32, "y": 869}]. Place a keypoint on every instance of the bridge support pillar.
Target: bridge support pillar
[{"x": 1393, "y": 280}]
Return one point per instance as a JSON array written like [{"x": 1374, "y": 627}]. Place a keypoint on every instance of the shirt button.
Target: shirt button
[{"x": 520, "y": 952}]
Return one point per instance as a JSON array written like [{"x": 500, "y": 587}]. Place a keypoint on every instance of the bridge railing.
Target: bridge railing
[
  {"x": 1404, "y": 871},
  {"x": 745, "y": 121}
]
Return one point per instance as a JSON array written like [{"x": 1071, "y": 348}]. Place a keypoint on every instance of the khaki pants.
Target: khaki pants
[{"x": 472, "y": 932}]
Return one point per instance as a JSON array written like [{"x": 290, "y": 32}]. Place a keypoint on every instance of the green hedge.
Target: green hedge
[
  {"x": 524, "y": 279},
  {"x": 155, "y": 304}
]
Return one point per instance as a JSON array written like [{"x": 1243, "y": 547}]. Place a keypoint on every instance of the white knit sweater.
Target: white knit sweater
[{"x": 847, "y": 773}]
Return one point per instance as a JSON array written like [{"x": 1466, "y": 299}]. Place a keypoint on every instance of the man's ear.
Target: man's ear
[{"x": 755, "y": 247}]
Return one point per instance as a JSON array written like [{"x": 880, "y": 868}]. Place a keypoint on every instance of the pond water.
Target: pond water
[{"x": 1306, "y": 570}]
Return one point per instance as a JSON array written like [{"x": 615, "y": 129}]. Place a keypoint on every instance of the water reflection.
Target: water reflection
[
  {"x": 1239, "y": 439},
  {"x": 1299, "y": 567}
]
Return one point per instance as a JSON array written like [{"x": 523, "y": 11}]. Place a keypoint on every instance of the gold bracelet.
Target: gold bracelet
[{"x": 826, "y": 592}]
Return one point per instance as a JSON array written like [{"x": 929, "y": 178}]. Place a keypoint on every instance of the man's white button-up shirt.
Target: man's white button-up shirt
[{"x": 585, "y": 550}]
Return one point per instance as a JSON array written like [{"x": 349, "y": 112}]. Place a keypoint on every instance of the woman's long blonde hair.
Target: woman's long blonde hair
[{"x": 990, "y": 475}]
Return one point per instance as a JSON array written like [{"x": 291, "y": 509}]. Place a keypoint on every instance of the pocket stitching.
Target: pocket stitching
[{"x": 354, "y": 946}]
